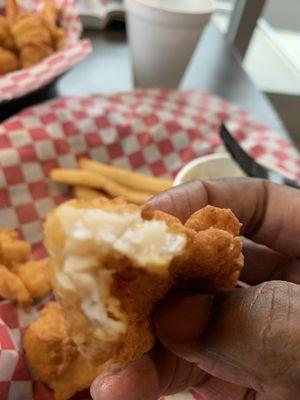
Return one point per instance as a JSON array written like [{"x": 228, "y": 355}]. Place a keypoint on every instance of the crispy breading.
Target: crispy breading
[
  {"x": 110, "y": 263},
  {"x": 33, "y": 53},
  {"x": 213, "y": 217},
  {"x": 49, "y": 16},
  {"x": 8, "y": 61},
  {"x": 28, "y": 29},
  {"x": 12, "y": 10},
  {"x": 35, "y": 277},
  {"x": 54, "y": 356},
  {"x": 13, "y": 250},
  {"x": 6, "y": 39},
  {"x": 11, "y": 287},
  {"x": 26, "y": 38},
  {"x": 20, "y": 279}
]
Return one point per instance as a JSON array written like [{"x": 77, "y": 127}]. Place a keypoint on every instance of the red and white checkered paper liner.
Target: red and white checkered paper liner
[
  {"x": 154, "y": 131},
  {"x": 27, "y": 80}
]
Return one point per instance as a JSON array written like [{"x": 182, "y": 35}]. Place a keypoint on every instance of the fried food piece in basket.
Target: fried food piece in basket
[
  {"x": 54, "y": 356},
  {"x": 29, "y": 29},
  {"x": 36, "y": 36},
  {"x": 13, "y": 251},
  {"x": 6, "y": 39},
  {"x": 12, "y": 10},
  {"x": 35, "y": 277},
  {"x": 8, "y": 61},
  {"x": 110, "y": 262},
  {"x": 33, "y": 53},
  {"x": 49, "y": 16},
  {"x": 11, "y": 287}
]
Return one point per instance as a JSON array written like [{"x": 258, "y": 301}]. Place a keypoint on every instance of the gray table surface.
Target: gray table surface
[{"x": 214, "y": 67}]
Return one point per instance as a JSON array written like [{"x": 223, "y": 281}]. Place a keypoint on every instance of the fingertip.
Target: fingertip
[
  {"x": 182, "y": 200},
  {"x": 162, "y": 201},
  {"x": 138, "y": 380},
  {"x": 99, "y": 387}
]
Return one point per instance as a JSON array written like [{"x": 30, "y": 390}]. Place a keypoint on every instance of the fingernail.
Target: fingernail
[
  {"x": 94, "y": 387},
  {"x": 182, "y": 318},
  {"x": 97, "y": 384},
  {"x": 103, "y": 380}
]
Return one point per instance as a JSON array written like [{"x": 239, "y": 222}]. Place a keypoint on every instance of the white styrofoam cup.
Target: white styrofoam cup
[{"x": 163, "y": 35}]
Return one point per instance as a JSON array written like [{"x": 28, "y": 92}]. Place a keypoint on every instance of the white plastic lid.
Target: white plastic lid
[
  {"x": 176, "y": 13},
  {"x": 181, "y": 6}
]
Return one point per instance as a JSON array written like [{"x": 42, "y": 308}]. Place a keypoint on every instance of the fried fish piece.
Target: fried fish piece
[
  {"x": 6, "y": 39},
  {"x": 11, "y": 287},
  {"x": 35, "y": 277},
  {"x": 54, "y": 356},
  {"x": 110, "y": 262},
  {"x": 13, "y": 250},
  {"x": 8, "y": 61}
]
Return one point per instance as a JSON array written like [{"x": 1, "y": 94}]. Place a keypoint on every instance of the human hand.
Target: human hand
[{"x": 245, "y": 343}]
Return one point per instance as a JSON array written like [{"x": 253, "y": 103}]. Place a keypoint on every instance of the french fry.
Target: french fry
[
  {"x": 85, "y": 193},
  {"x": 127, "y": 178},
  {"x": 94, "y": 180}
]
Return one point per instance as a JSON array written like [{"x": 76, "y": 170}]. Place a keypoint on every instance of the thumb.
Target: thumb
[{"x": 250, "y": 338}]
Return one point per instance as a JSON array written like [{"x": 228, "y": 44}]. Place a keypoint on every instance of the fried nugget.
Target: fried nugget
[
  {"x": 33, "y": 53},
  {"x": 6, "y": 39},
  {"x": 13, "y": 250},
  {"x": 12, "y": 10},
  {"x": 8, "y": 61},
  {"x": 35, "y": 278},
  {"x": 212, "y": 217},
  {"x": 111, "y": 261},
  {"x": 54, "y": 356},
  {"x": 49, "y": 16},
  {"x": 11, "y": 287},
  {"x": 29, "y": 29}
]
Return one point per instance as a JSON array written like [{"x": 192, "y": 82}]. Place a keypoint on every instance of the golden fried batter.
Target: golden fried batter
[
  {"x": 20, "y": 279},
  {"x": 54, "y": 356},
  {"x": 35, "y": 278},
  {"x": 33, "y": 53},
  {"x": 6, "y": 39},
  {"x": 12, "y": 10},
  {"x": 110, "y": 263},
  {"x": 49, "y": 16},
  {"x": 27, "y": 38},
  {"x": 29, "y": 29},
  {"x": 8, "y": 61},
  {"x": 11, "y": 287},
  {"x": 13, "y": 250},
  {"x": 212, "y": 217}
]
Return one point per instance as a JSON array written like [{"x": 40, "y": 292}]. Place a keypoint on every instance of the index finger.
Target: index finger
[{"x": 270, "y": 213}]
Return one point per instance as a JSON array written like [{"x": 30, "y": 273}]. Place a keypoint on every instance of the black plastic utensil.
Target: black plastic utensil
[{"x": 249, "y": 165}]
